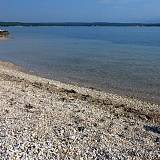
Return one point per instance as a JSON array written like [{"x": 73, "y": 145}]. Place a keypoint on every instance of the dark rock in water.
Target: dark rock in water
[{"x": 152, "y": 129}]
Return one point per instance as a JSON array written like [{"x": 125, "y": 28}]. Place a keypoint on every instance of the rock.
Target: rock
[
  {"x": 154, "y": 129},
  {"x": 81, "y": 129},
  {"x": 28, "y": 106}
]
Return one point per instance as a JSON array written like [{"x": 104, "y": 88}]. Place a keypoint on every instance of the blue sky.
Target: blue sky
[{"x": 80, "y": 10}]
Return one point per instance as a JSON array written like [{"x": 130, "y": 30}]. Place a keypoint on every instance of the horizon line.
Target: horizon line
[{"x": 78, "y": 22}]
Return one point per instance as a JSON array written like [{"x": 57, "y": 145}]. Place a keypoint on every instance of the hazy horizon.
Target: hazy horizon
[{"x": 85, "y": 22}]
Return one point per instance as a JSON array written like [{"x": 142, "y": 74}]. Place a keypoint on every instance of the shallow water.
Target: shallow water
[{"x": 124, "y": 60}]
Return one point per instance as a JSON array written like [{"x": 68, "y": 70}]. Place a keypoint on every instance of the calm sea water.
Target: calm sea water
[{"x": 123, "y": 60}]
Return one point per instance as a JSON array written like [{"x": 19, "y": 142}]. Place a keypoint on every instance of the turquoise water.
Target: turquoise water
[{"x": 123, "y": 60}]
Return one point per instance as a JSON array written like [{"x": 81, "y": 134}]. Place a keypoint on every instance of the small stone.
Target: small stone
[
  {"x": 157, "y": 140},
  {"x": 95, "y": 125},
  {"x": 6, "y": 110},
  {"x": 81, "y": 129},
  {"x": 28, "y": 106}
]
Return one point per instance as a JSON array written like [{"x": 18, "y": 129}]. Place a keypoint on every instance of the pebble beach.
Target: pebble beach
[{"x": 46, "y": 119}]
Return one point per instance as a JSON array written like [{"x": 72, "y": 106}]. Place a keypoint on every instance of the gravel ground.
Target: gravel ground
[{"x": 45, "y": 119}]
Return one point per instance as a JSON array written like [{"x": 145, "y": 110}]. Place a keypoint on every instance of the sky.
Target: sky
[{"x": 80, "y": 10}]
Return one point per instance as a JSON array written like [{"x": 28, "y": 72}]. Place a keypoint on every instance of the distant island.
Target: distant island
[{"x": 7, "y": 24}]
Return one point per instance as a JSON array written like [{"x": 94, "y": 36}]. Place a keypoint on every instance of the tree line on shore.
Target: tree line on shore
[{"x": 7, "y": 24}]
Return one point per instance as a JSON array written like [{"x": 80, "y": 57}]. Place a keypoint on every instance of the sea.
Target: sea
[{"x": 119, "y": 60}]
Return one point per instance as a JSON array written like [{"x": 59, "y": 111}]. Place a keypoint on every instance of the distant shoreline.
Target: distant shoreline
[{"x": 87, "y": 24}]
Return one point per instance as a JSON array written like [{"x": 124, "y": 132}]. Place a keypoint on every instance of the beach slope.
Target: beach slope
[{"x": 46, "y": 119}]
